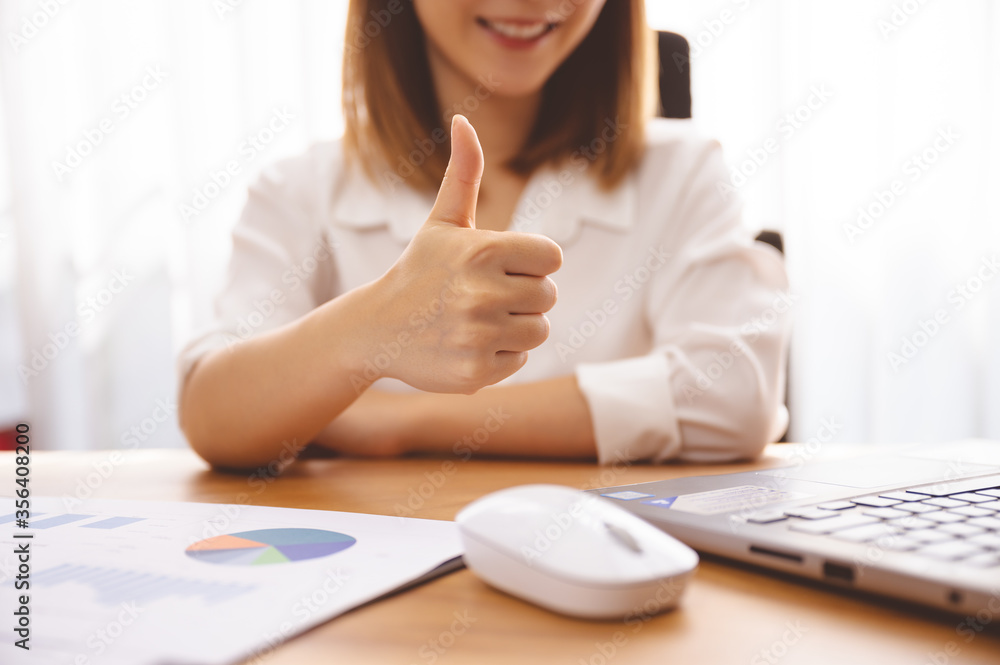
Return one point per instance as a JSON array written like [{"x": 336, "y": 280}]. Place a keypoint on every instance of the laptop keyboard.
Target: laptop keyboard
[{"x": 957, "y": 521}]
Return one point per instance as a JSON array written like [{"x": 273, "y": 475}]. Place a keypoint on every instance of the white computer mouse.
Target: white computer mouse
[{"x": 573, "y": 552}]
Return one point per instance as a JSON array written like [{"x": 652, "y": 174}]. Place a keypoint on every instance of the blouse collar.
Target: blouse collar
[{"x": 555, "y": 203}]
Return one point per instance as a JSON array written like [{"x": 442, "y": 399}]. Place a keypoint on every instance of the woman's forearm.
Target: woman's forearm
[
  {"x": 241, "y": 406},
  {"x": 543, "y": 419}
]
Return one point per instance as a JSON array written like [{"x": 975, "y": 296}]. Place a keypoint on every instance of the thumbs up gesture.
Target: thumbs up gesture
[{"x": 463, "y": 306}]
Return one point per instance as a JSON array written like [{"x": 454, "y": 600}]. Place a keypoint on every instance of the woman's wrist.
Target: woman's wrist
[
  {"x": 345, "y": 334},
  {"x": 422, "y": 422},
  {"x": 445, "y": 424}
]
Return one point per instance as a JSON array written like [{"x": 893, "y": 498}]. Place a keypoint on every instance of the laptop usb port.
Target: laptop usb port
[
  {"x": 756, "y": 549},
  {"x": 838, "y": 571}
]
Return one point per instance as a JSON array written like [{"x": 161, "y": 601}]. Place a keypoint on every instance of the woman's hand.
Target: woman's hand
[{"x": 461, "y": 307}]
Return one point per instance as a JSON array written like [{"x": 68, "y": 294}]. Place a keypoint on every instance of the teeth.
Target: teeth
[{"x": 525, "y": 31}]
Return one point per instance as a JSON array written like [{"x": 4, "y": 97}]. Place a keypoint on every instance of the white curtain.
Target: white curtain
[
  {"x": 883, "y": 183},
  {"x": 116, "y": 113}
]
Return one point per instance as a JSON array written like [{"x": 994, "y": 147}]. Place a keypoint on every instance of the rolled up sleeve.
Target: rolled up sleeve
[{"x": 632, "y": 408}]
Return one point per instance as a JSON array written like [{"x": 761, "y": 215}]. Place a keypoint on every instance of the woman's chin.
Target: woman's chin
[{"x": 516, "y": 85}]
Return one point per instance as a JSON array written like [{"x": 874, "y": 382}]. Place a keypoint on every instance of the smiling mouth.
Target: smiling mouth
[{"x": 526, "y": 31}]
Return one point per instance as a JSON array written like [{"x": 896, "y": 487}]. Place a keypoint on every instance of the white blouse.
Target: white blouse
[{"x": 672, "y": 317}]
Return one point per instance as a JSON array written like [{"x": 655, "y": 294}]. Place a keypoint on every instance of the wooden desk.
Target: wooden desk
[{"x": 730, "y": 614}]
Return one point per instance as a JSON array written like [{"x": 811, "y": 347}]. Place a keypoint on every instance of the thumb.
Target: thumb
[{"x": 456, "y": 200}]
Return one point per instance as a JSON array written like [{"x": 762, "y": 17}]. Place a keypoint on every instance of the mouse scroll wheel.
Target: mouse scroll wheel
[{"x": 623, "y": 537}]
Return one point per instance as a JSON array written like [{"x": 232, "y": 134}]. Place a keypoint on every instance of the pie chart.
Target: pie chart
[{"x": 267, "y": 546}]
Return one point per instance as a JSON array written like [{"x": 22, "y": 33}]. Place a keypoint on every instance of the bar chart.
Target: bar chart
[
  {"x": 113, "y": 586},
  {"x": 81, "y": 520}
]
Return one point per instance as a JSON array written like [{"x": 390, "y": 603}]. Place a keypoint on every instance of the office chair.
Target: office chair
[{"x": 675, "y": 102}]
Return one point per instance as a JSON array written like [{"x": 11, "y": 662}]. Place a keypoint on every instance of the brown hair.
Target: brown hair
[{"x": 391, "y": 110}]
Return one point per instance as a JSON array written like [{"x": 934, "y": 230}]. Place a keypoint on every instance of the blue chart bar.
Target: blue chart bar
[
  {"x": 4, "y": 519},
  {"x": 58, "y": 520},
  {"x": 114, "y": 586},
  {"x": 112, "y": 523}
]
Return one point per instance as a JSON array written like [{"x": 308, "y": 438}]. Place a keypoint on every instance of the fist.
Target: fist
[{"x": 465, "y": 305}]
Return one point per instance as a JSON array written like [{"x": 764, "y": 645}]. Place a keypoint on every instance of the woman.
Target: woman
[{"x": 668, "y": 338}]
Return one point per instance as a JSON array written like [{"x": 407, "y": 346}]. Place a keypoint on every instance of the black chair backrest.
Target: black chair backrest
[{"x": 675, "y": 75}]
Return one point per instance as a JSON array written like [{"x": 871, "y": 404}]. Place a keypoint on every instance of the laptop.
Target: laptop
[{"x": 919, "y": 523}]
